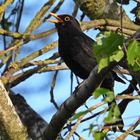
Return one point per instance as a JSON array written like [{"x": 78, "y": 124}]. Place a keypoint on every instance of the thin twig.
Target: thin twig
[
  {"x": 129, "y": 130},
  {"x": 74, "y": 128},
  {"x": 52, "y": 90}
]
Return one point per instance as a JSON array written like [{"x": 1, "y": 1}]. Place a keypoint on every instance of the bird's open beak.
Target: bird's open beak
[{"x": 59, "y": 20}]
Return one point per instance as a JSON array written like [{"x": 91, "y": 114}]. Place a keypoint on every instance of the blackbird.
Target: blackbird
[{"x": 75, "y": 47}]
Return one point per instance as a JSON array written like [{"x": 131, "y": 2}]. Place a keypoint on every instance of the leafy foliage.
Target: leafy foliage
[
  {"x": 107, "y": 49},
  {"x": 99, "y": 135},
  {"x": 77, "y": 115},
  {"x": 113, "y": 115},
  {"x": 108, "y": 95},
  {"x": 133, "y": 55}
]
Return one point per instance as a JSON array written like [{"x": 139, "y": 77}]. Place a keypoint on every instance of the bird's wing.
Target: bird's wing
[
  {"x": 85, "y": 43},
  {"x": 82, "y": 52}
]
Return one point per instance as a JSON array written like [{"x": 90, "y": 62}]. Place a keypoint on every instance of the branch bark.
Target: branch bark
[
  {"x": 80, "y": 95},
  {"x": 33, "y": 121},
  {"x": 97, "y": 9},
  {"x": 10, "y": 125}
]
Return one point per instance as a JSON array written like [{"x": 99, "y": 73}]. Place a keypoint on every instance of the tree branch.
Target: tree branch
[
  {"x": 80, "y": 95},
  {"x": 33, "y": 121},
  {"x": 10, "y": 125}
]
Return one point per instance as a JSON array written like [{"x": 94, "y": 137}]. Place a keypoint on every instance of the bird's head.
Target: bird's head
[{"x": 65, "y": 23}]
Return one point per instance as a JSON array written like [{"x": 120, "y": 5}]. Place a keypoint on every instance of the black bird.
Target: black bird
[{"x": 75, "y": 47}]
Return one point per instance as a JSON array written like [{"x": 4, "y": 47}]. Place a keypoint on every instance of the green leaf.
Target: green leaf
[
  {"x": 108, "y": 95},
  {"x": 117, "y": 56},
  {"x": 99, "y": 135},
  {"x": 98, "y": 92},
  {"x": 113, "y": 115},
  {"x": 133, "y": 57},
  {"x": 107, "y": 49},
  {"x": 77, "y": 115},
  {"x": 104, "y": 62},
  {"x": 117, "y": 112},
  {"x": 91, "y": 128}
]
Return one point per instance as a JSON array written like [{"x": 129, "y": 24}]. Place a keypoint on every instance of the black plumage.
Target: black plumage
[{"x": 75, "y": 47}]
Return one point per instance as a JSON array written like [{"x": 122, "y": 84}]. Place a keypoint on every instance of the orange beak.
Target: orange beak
[{"x": 59, "y": 20}]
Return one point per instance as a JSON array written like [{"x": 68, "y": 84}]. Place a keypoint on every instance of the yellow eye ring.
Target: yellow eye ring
[{"x": 67, "y": 18}]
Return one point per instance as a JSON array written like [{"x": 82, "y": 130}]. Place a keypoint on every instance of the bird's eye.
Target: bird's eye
[{"x": 67, "y": 18}]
